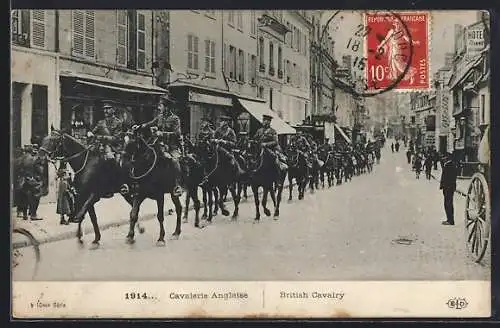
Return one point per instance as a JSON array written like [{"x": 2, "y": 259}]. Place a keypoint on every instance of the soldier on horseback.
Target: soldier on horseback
[
  {"x": 268, "y": 138},
  {"x": 169, "y": 133},
  {"x": 109, "y": 130},
  {"x": 225, "y": 137},
  {"x": 304, "y": 148}
]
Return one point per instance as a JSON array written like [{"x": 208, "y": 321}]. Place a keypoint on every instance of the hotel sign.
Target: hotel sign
[
  {"x": 209, "y": 99},
  {"x": 474, "y": 37}
]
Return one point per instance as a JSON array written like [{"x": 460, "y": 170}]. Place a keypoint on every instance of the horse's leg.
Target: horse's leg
[
  {"x": 215, "y": 193},
  {"x": 255, "y": 190},
  {"x": 236, "y": 200},
  {"x": 245, "y": 187},
  {"x": 160, "y": 204},
  {"x": 205, "y": 201},
  {"x": 290, "y": 186},
  {"x": 275, "y": 203},
  {"x": 93, "y": 219},
  {"x": 186, "y": 203},
  {"x": 178, "y": 212},
  {"x": 210, "y": 204},
  {"x": 223, "y": 196},
  {"x": 196, "y": 202},
  {"x": 134, "y": 216},
  {"x": 129, "y": 199},
  {"x": 267, "y": 189}
]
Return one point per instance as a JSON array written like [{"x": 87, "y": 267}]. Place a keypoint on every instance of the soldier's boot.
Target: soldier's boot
[{"x": 177, "y": 191}]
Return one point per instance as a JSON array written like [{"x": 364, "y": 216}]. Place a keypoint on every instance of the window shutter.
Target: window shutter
[
  {"x": 89, "y": 33},
  {"x": 190, "y": 51},
  {"x": 78, "y": 32},
  {"x": 224, "y": 59},
  {"x": 249, "y": 67},
  {"x": 141, "y": 41},
  {"x": 207, "y": 55},
  {"x": 38, "y": 28},
  {"x": 122, "y": 37},
  {"x": 195, "y": 52},
  {"x": 212, "y": 59}
]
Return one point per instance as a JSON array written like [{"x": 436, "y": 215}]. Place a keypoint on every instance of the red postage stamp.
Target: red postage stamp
[{"x": 397, "y": 46}]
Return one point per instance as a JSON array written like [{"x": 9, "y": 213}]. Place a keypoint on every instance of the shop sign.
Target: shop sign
[{"x": 209, "y": 99}]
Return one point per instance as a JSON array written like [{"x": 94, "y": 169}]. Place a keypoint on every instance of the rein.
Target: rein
[
  {"x": 85, "y": 151},
  {"x": 152, "y": 166},
  {"x": 216, "y": 164}
]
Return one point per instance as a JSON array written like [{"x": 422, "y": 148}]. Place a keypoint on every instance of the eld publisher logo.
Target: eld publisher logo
[{"x": 457, "y": 303}]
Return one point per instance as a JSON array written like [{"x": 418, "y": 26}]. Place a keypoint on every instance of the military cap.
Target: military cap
[
  {"x": 107, "y": 104},
  {"x": 267, "y": 117},
  {"x": 225, "y": 117}
]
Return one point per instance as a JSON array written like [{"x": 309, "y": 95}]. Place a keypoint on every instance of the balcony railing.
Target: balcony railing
[
  {"x": 280, "y": 74},
  {"x": 271, "y": 71},
  {"x": 21, "y": 39},
  {"x": 262, "y": 68}
]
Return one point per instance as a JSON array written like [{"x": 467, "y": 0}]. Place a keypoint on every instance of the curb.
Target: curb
[
  {"x": 116, "y": 223},
  {"x": 461, "y": 193}
]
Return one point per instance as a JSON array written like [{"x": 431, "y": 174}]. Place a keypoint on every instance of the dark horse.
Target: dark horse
[
  {"x": 150, "y": 177},
  {"x": 193, "y": 173},
  {"x": 297, "y": 169},
  {"x": 263, "y": 172},
  {"x": 328, "y": 168},
  {"x": 94, "y": 177},
  {"x": 219, "y": 175}
]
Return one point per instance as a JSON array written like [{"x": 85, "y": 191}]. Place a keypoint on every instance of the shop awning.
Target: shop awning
[
  {"x": 342, "y": 133},
  {"x": 102, "y": 82},
  {"x": 258, "y": 109}
]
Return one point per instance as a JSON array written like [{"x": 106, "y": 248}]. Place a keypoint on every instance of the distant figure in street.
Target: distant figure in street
[
  {"x": 392, "y": 147},
  {"x": 397, "y": 146},
  {"x": 428, "y": 166},
  {"x": 448, "y": 184},
  {"x": 408, "y": 156},
  {"x": 417, "y": 166},
  {"x": 435, "y": 159}
]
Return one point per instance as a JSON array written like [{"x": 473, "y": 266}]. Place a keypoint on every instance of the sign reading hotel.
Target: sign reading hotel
[{"x": 474, "y": 39}]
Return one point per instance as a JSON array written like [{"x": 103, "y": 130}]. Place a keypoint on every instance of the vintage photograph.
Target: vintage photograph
[{"x": 247, "y": 146}]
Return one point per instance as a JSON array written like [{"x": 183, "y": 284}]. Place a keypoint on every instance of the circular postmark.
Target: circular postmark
[{"x": 375, "y": 49}]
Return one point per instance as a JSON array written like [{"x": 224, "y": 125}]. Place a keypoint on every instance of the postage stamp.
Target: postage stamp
[{"x": 397, "y": 51}]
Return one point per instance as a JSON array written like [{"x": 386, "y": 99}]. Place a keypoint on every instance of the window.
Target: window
[
  {"x": 271, "y": 58},
  {"x": 209, "y": 56},
  {"x": 483, "y": 110},
  {"x": 122, "y": 37},
  {"x": 38, "y": 28},
  {"x": 261, "y": 92},
  {"x": 294, "y": 74},
  {"x": 288, "y": 71},
  {"x": 230, "y": 18},
  {"x": 271, "y": 98},
  {"x": 253, "y": 23},
  {"x": 261, "y": 51},
  {"x": 239, "y": 15},
  {"x": 241, "y": 66},
  {"x": 299, "y": 77},
  {"x": 232, "y": 62},
  {"x": 192, "y": 52},
  {"x": 299, "y": 41},
  {"x": 280, "y": 63},
  {"x": 141, "y": 41},
  {"x": 84, "y": 33},
  {"x": 254, "y": 68},
  {"x": 21, "y": 30}
]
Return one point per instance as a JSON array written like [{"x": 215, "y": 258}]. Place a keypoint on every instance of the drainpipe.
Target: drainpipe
[
  {"x": 153, "y": 57},
  {"x": 56, "y": 41},
  {"x": 223, "y": 53}
]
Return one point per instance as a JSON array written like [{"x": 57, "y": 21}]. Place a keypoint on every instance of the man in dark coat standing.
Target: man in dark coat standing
[{"x": 448, "y": 185}]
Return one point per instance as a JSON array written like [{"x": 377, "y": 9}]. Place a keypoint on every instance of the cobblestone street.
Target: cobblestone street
[{"x": 381, "y": 226}]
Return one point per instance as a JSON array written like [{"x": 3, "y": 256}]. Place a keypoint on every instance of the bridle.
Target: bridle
[{"x": 60, "y": 145}]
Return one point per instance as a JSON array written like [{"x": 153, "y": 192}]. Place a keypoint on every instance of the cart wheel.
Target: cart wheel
[
  {"x": 19, "y": 254},
  {"x": 477, "y": 217}
]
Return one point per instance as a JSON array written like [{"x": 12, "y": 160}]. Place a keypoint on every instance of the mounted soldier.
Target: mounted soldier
[
  {"x": 109, "y": 131},
  {"x": 268, "y": 138},
  {"x": 304, "y": 148},
  {"x": 167, "y": 127},
  {"x": 206, "y": 131},
  {"x": 242, "y": 142},
  {"x": 225, "y": 137}
]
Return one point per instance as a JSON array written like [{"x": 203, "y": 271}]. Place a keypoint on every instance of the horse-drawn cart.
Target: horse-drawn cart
[{"x": 478, "y": 206}]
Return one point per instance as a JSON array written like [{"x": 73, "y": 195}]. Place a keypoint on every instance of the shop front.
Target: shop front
[{"x": 82, "y": 97}]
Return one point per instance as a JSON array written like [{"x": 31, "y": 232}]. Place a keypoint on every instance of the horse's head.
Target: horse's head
[{"x": 53, "y": 144}]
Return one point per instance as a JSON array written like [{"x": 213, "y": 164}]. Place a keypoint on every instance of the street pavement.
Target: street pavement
[{"x": 380, "y": 226}]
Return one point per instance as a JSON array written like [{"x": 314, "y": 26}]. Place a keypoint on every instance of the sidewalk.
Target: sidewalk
[{"x": 112, "y": 212}]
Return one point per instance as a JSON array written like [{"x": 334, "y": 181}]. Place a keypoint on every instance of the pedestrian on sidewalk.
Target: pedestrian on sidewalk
[
  {"x": 436, "y": 159},
  {"x": 417, "y": 166},
  {"x": 408, "y": 156},
  {"x": 397, "y": 146},
  {"x": 64, "y": 193},
  {"x": 392, "y": 147},
  {"x": 448, "y": 184},
  {"x": 428, "y": 166}
]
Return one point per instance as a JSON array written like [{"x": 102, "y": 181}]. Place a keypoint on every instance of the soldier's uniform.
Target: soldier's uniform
[
  {"x": 226, "y": 138},
  {"x": 268, "y": 137},
  {"x": 305, "y": 148},
  {"x": 169, "y": 132},
  {"x": 110, "y": 129},
  {"x": 206, "y": 132}
]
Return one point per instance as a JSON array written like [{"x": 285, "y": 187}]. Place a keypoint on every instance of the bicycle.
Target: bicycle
[{"x": 32, "y": 243}]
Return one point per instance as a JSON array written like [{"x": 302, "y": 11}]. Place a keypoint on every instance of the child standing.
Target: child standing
[{"x": 64, "y": 193}]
